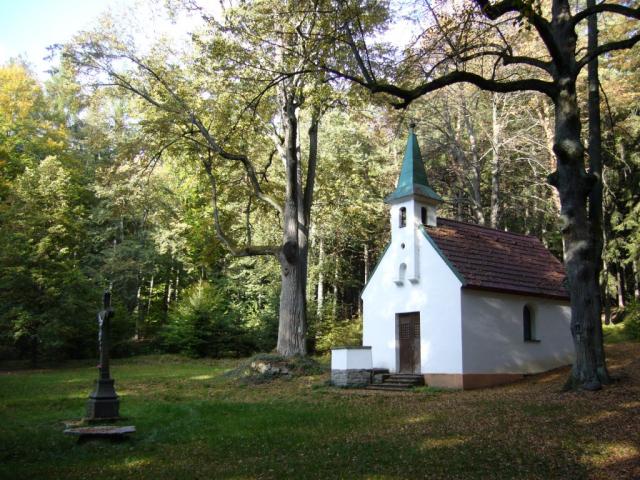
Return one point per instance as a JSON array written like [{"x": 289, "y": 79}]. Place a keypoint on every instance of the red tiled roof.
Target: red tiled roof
[{"x": 491, "y": 259}]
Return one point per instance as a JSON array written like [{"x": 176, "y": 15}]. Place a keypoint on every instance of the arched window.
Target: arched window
[
  {"x": 528, "y": 324},
  {"x": 403, "y": 217},
  {"x": 423, "y": 215},
  {"x": 402, "y": 273}
]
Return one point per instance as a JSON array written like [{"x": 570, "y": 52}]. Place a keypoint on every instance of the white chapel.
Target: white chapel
[{"x": 462, "y": 305}]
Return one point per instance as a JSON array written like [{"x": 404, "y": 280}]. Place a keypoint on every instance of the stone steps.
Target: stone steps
[
  {"x": 397, "y": 382},
  {"x": 388, "y": 387}
]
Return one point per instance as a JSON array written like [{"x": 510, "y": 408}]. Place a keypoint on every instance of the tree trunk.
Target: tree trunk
[
  {"x": 176, "y": 290},
  {"x": 320, "y": 296},
  {"x": 544, "y": 116},
  {"x": 636, "y": 280},
  {"x": 595, "y": 195},
  {"x": 150, "y": 297},
  {"x": 573, "y": 185},
  {"x": 336, "y": 276},
  {"x": 166, "y": 297},
  {"x": 294, "y": 253},
  {"x": 293, "y": 322},
  {"x": 495, "y": 163},
  {"x": 137, "y": 311},
  {"x": 606, "y": 303},
  {"x": 620, "y": 285},
  {"x": 366, "y": 263},
  {"x": 476, "y": 167}
]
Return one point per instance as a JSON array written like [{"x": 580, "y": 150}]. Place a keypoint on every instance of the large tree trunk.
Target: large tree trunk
[
  {"x": 574, "y": 185},
  {"x": 293, "y": 255},
  {"x": 293, "y": 322}
]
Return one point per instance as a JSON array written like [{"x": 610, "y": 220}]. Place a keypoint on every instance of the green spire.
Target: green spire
[{"x": 413, "y": 178}]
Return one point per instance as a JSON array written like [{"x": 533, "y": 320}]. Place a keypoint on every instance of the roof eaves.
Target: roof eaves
[
  {"x": 416, "y": 189},
  {"x": 524, "y": 293}
]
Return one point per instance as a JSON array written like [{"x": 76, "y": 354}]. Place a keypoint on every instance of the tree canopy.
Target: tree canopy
[{"x": 228, "y": 187}]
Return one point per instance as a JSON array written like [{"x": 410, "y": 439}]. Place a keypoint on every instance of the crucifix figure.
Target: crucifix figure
[
  {"x": 104, "y": 321},
  {"x": 103, "y": 402}
]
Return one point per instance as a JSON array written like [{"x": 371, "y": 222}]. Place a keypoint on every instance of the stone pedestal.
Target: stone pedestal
[
  {"x": 350, "y": 378},
  {"x": 103, "y": 403},
  {"x": 351, "y": 366}
]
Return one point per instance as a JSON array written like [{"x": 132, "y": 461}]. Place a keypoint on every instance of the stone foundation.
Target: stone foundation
[{"x": 350, "y": 378}]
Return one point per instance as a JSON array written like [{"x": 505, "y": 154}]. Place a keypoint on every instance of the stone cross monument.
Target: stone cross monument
[{"x": 103, "y": 402}]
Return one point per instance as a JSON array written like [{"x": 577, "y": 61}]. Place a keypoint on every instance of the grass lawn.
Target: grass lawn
[{"x": 193, "y": 422}]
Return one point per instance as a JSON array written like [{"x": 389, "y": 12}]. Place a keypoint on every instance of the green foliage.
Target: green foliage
[
  {"x": 97, "y": 189},
  {"x": 631, "y": 320},
  {"x": 204, "y": 324},
  {"x": 253, "y": 288},
  {"x": 337, "y": 332},
  {"x": 614, "y": 333}
]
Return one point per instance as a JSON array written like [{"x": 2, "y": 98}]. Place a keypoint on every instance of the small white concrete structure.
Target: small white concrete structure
[
  {"x": 351, "y": 366},
  {"x": 464, "y": 305}
]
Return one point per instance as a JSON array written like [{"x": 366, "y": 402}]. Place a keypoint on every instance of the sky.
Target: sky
[{"x": 27, "y": 27}]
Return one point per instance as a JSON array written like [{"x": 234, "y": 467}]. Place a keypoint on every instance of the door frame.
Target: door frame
[{"x": 417, "y": 367}]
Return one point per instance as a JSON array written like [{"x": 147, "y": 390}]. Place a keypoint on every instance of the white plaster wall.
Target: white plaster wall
[
  {"x": 435, "y": 294},
  {"x": 492, "y": 333},
  {"x": 351, "y": 359}
]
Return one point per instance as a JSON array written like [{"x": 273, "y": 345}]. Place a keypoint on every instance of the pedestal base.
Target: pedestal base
[{"x": 103, "y": 402}]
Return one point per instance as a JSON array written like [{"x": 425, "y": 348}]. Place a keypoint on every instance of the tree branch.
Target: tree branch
[
  {"x": 542, "y": 26},
  {"x": 356, "y": 53},
  {"x": 311, "y": 169},
  {"x": 608, "y": 47},
  {"x": 248, "y": 166},
  {"x": 409, "y": 95},
  {"x": 246, "y": 251},
  {"x": 606, "y": 7},
  {"x": 534, "y": 62}
]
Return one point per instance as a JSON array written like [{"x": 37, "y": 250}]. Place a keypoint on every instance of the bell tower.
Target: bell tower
[{"x": 413, "y": 203}]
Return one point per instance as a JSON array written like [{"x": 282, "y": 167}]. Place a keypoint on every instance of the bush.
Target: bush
[
  {"x": 632, "y": 320},
  {"x": 204, "y": 324},
  {"x": 332, "y": 333}
]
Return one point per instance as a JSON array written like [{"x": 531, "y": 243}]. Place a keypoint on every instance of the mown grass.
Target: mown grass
[{"x": 194, "y": 422}]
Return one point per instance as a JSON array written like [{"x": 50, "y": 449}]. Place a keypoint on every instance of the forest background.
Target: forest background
[{"x": 99, "y": 189}]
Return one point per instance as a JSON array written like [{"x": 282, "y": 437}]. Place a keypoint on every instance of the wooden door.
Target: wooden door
[{"x": 409, "y": 336}]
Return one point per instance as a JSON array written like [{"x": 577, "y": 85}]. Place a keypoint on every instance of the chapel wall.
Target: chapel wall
[{"x": 493, "y": 335}]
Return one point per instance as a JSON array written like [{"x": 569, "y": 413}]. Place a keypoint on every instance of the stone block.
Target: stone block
[{"x": 351, "y": 378}]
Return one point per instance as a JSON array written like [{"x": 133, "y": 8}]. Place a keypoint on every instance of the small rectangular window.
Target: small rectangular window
[
  {"x": 423, "y": 215},
  {"x": 403, "y": 217}
]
